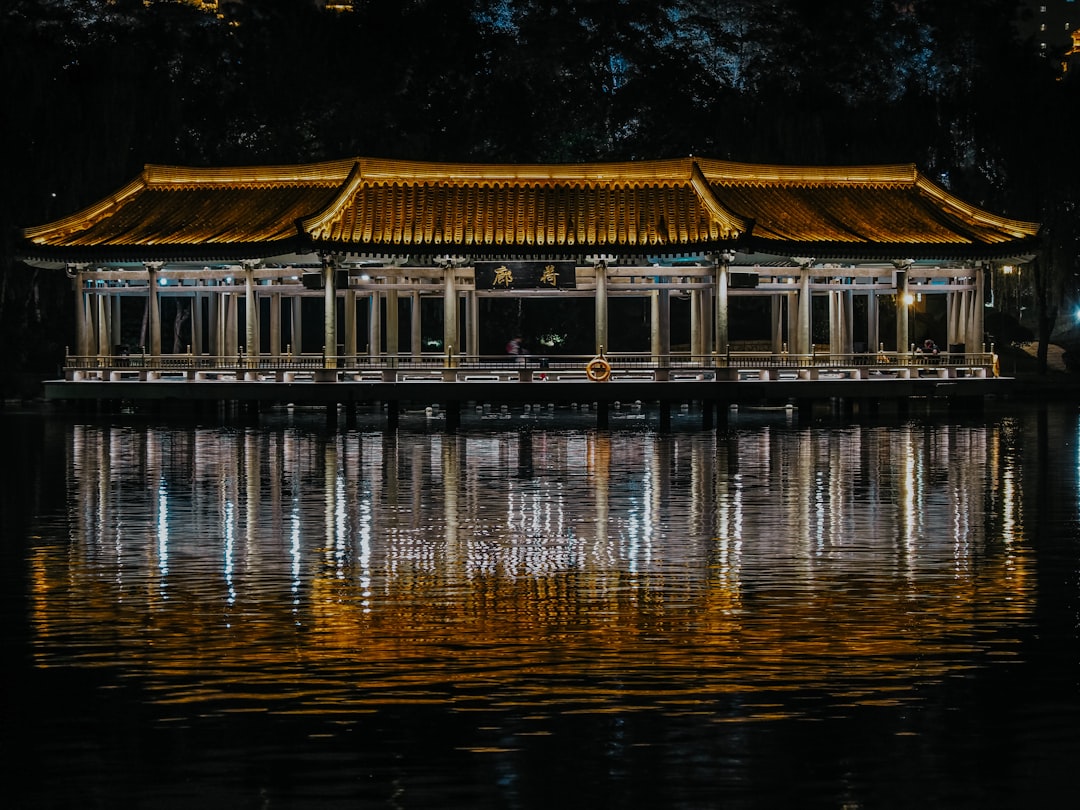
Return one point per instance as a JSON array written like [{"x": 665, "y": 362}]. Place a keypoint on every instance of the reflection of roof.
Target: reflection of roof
[{"x": 383, "y": 206}]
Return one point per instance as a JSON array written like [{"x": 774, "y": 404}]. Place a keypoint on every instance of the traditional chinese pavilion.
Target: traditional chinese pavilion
[{"x": 365, "y": 242}]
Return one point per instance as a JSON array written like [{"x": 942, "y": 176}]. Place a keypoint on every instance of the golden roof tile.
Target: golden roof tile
[{"x": 663, "y": 206}]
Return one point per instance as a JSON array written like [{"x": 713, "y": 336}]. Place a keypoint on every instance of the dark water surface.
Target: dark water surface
[{"x": 883, "y": 615}]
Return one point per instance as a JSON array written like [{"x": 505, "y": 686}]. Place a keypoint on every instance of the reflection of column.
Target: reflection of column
[
  {"x": 252, "y": 489},
  {"x": 451, "y": 467},
  {"x": 601, "y": 333},
  {"x": 332, "y": 506},
  {"x": 599, "y": 465}
]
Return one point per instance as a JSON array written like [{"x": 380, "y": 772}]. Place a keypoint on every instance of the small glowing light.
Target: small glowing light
[
  {"x": 162, "y": 282},
  {"x": 909, "y": 299},
  {"x": 1078, "y": 313},
  {"x": 228, "y": 279},
  {"x": 365, "y": 277},
  {"x": 1007, "y": 269}
]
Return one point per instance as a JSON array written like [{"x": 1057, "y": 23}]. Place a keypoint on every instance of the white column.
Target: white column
[
  {"x": 115, "y": 323},
  {"x": 849, "y": 320},
  {"x": 978, "y": 311},
  {"x": 792, "y": 321},
  {"x": 695, "y": 323},
  {"x": 230, "y": 325},
  {"x": 275, "y": 324},
  {"x": 415, "y": 332},
  {"x": 722, "y": 326},
  {"x": 296, "y": 324},
  {"x": 197, "y": 320},
  {"x": 82, "y": 341},
  {"x": 103, "y": 330},
  {"x": 330, "y": 311},
  {"x": 777, "y": 318},
  {"x": 375, "y": 324},
  {"x": 873, "y": 337},
  {"x": 805, "y": 342},
  {"x": 350, "y": 322},
  {"x": 392, "y": 323},
  {"x": 251, "y": 312},
  {"x": 213, "y": 327},
  {"x": 836, "y": 325},
  {"x": 660, "y": 321},
  {"x": 155, "y": 308},
  {"x": 902, "y": 310},
  {"x": 708, "y": 320},
  {"x": 451, "y": 340},
  {"x": 472, "y": 323},
  {"x": 950, "y": 317},
  {"x": 601, "y": 320}
]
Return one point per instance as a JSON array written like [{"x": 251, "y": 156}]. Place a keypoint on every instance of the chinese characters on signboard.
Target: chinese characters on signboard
[{"x": 556, "y": 275}]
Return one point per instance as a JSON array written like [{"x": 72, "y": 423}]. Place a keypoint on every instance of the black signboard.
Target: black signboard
[{"x": 558, "y": 275}]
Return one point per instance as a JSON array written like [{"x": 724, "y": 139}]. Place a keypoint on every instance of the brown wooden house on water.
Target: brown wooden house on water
[{"x": 361, "y": 244}]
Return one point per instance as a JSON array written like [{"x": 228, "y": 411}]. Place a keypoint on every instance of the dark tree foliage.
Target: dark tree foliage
[{"x": 93, "y": 90}]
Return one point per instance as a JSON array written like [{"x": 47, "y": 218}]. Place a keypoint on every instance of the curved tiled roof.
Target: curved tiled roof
[
  {"x": 180, "y": 211},
  {"x": 882, "y": 205},
  {"x": 611, "y": 207},
  {"x": 648, "y": 207}
]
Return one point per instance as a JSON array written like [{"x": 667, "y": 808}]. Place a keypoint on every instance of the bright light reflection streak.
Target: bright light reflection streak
[
  {"x": 819, "y": 509},
  {"x": 1008, "y": 504},
  {"x": 365, "y": 554},
  {"x": 339, "y": 522},
  {"x": 294, "y": 550},
  {"x": 163, "y": 530},
  {"x": 908, "y": 486},
  {"x": 230, "y": 537}
]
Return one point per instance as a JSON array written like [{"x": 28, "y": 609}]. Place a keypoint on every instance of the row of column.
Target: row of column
[{"x": 98, "y": 317}]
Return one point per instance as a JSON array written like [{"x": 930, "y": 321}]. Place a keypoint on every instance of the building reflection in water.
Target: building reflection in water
[{"x": 301, "y": 572}]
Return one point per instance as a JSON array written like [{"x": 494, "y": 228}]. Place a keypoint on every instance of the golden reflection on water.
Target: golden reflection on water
[{"x": 570, "y": 571}]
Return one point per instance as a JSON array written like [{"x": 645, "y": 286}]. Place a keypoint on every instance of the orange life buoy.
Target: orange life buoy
[{"x": 598, "y": 369}]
